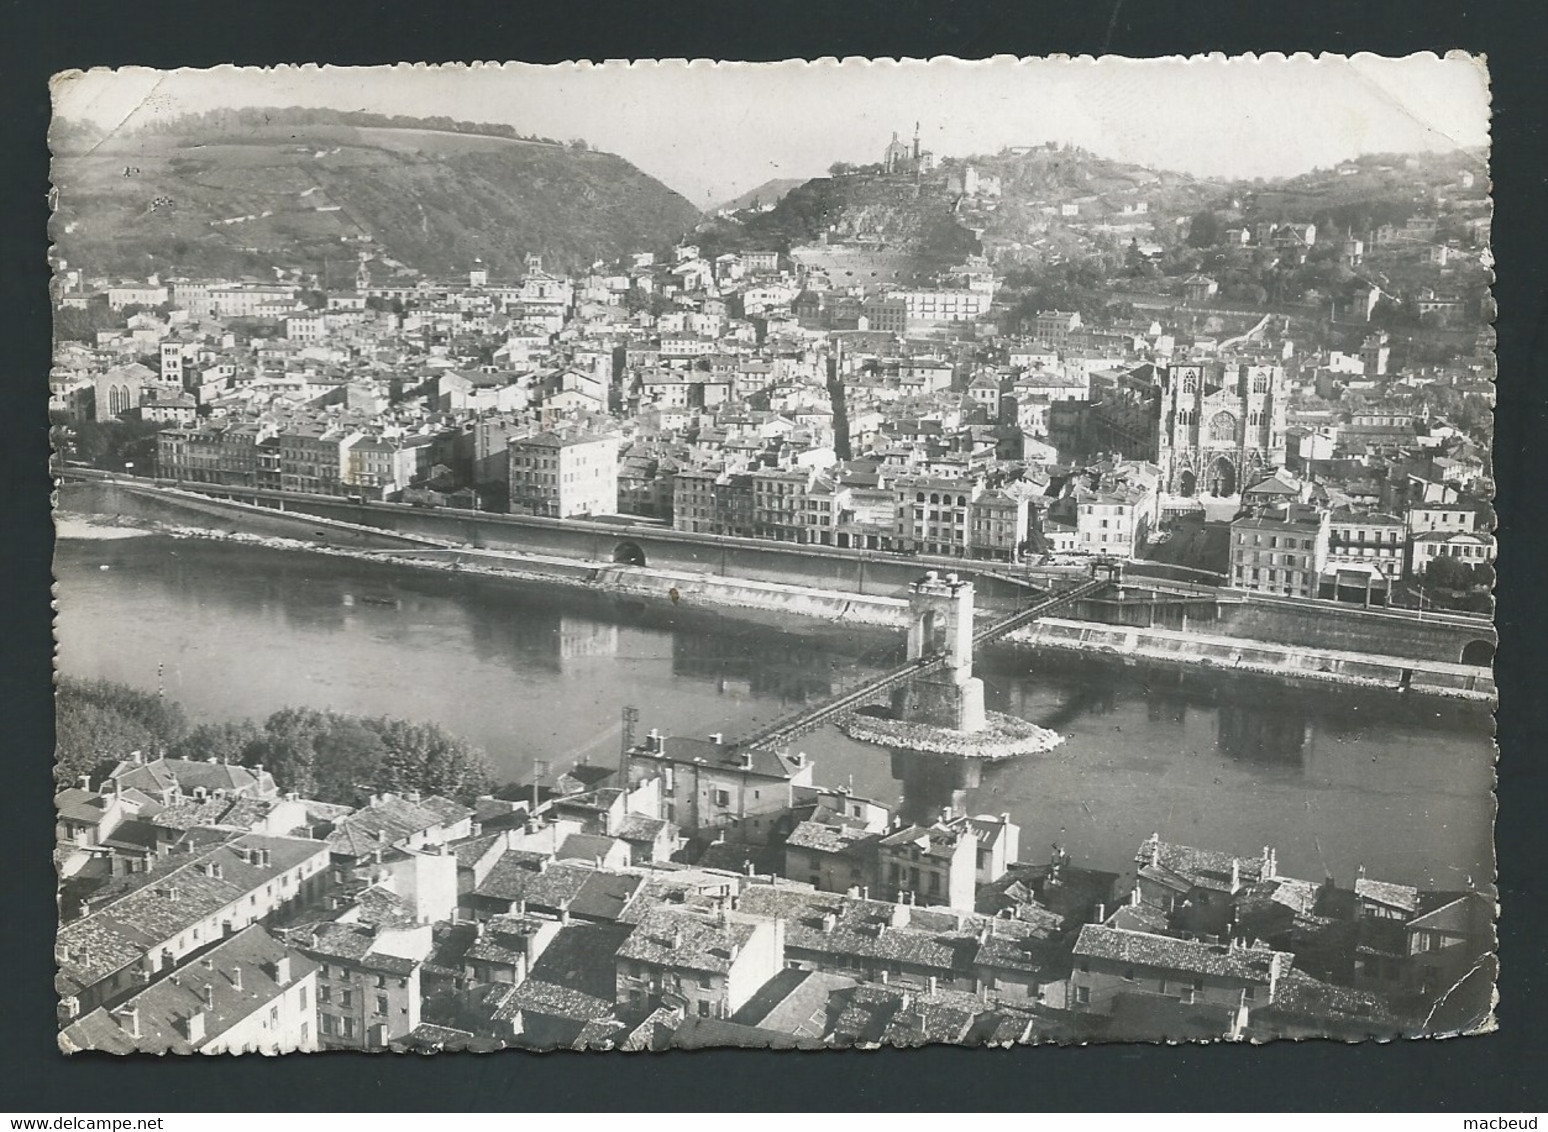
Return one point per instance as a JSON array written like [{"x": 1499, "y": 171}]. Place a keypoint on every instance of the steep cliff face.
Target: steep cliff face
[{"x": 224, "y": 197}]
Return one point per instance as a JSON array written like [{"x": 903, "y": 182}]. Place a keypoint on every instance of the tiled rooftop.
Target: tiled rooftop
[
  {"x": 1165, "y": 953},
  {"x": 154, "y": 907},
  {"x": 687, "y": 939},
  {"x": 239, "y": 976}
]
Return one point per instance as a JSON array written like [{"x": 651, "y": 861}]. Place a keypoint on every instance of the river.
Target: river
[{"x": 1332, "y": 780}]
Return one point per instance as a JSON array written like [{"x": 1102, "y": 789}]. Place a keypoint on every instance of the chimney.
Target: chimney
[
  {"x": 677, "y": 938},
  {"x": 1236, "y": 875},
  {"x": 282, "y": 970},
  {"x": 129, "y": 1018},
  {"x": 1134, "y": 895},
  {"x": 1101, "y": 913},
  {"x": 85, "y": 781},
  {"x": 1155, "y": 850},
  {"x": 718, "y": 738},
  {"x": 800, "y": 758},
  {"x": 932, "y": 985},
  {"x": 207, "y": 994},
  {"x": 829, "y": 923},
  {"x": 475, "y": 829},
  {"x": 193, "y": 1027},
  {"x": 257, "y": 770},
  {"x": 236, "y": 978}
]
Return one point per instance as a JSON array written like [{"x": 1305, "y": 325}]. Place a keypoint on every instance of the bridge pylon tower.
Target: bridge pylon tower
[{"x": 941, "y": 626}]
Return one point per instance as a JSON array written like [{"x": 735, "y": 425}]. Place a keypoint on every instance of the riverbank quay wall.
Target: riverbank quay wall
[
  {"x": 1446, "y": 638},
  {"x": 1193, "y": 650},
  {"x": 605, "y": 541},
  {"x": 679, "y": 588},
  {"x": 1439, "y": 637}
]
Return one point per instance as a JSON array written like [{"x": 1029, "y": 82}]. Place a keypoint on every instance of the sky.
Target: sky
[{"x": 712, "y": 131}]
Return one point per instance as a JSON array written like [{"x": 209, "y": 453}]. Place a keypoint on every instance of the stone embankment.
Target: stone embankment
[
  {"x": 680, "y": 588},
  {"x": 1170, "y": 648}
]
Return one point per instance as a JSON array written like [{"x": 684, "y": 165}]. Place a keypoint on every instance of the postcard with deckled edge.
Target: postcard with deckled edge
[{"x": 803, "y": 555}]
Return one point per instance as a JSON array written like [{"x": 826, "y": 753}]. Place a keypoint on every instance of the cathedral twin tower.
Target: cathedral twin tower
[{"x": 1221, "y": 427}]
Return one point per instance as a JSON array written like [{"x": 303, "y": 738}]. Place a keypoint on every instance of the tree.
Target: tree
[
  {"x": 86, "y": 735},
  {"x": 99, "y": 721},
  {"x": 1204, "y": 230},
  {"x": 76, "y": 324},
  {"x": 427, "y": 758},
  {"x": 349, "y": 759},
  {"x": 287, "y": 749},
  {"x": 228, "y": 742},
  {"x": 339, "y": 758},
  {"x": 1447, "y": 573}
]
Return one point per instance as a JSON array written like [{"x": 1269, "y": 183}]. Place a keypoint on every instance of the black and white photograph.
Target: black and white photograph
[{"x": 649, "y": 556}]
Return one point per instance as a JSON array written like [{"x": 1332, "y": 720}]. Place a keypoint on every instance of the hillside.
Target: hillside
[
  {"x": 217, "y": 197},
  {"x": 929, "y": 218},
  {"x": 896, "y": 211},
  {"x": 766, "y": 195}
]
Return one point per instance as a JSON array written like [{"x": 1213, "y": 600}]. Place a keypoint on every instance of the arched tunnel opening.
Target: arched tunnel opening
[
  {"x": 628, "y": 554},
  {"x": 1478, "y": 653}
]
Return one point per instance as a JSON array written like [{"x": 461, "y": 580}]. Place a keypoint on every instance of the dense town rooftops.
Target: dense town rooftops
[
  {"x": 523, "y": 876},
  {"x": 1257, "y": 965},
  {"x": 1190, "y": 867},
  {"x": 137, "y": 913},
  {"x": 724, "y": 757},
  {"x": 575, "y": 978},
  {"x": 354, "y": 944},
  {"x": 823, "y": 837},
  {"x": 228, "y": 983},
  {"x": 855, "y": 928},
  {"x": 1020, "y": 945},
  {"x": 688, "y": 938},
  {"x": 389, "y": 819},
  {"x": 1400, "y": 896},
  {"x": 161, "y": 775}
]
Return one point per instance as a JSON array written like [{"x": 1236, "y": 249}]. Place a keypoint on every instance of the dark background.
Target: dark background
[{"x": 1483, "y": 1074}]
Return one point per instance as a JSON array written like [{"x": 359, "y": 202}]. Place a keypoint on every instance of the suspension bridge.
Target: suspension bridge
[{"x": 812, "y": 716}]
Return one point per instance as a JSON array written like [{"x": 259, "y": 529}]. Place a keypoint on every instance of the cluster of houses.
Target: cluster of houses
[
  {"x": 821, "y": 396},
  {"x": 695, "y": 894}
]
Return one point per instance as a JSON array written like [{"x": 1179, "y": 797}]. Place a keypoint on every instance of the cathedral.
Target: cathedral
[{"x": 1221, "y": 427}]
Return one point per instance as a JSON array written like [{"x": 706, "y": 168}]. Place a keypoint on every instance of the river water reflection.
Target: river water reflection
[{"x": 1333, "y": 780}]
